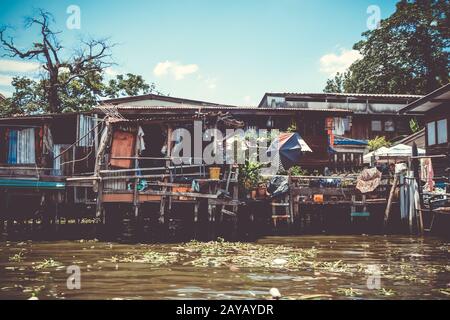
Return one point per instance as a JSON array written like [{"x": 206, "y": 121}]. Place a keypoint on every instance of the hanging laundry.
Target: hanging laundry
[
  {"x": 140, "y": 140},
  {"x": 338, "y": 126},
  {"x": 427, "y": 173},
  {"x": 58, "y": 160},
  {"x": 47, "y": 141},
  {"x": 368, "y": 180}
]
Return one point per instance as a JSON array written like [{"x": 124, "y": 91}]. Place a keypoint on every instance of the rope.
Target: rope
[{"x": 74, "y": 144}]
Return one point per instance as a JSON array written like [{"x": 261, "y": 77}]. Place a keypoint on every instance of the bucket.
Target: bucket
[
  {"x": 318, "y": 198},
  {"x": 214, "y": 173}
]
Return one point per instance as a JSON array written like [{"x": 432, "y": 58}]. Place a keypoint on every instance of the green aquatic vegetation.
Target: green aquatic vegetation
[
  {"x": 348, "y": 292},
  {"x": 386, "y": 292},
  {"x": 222, "y": 254},
  {"x": 149, "y": 257},
  {"x": 445, "y": 291},
  {"x": 47, "y": 263},
  {"x": 18, "y": 257}
]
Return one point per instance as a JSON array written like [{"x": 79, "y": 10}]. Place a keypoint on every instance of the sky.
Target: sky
[{"x": 229, "y": 52}]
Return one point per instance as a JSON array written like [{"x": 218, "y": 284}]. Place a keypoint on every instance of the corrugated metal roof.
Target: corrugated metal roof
[
  {"x": 360, "y": 95},
  {"x": 430, "y": 101},
  {"x": 183, "y": 101},
  {"x": 125, "y": 107}
]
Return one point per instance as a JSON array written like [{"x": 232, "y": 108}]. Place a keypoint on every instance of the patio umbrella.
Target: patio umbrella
[{"x": 288, "y": 147}]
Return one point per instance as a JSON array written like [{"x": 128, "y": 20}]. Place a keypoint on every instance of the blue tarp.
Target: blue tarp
[
  {"x": 349, "y": 142},
  {"x": 340, "y": 141}
]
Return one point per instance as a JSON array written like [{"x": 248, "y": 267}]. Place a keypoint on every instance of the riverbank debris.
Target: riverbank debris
[{"x": 275, "y": 293}]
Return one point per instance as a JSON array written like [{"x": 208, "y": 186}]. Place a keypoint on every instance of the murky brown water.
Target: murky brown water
[{"x": 305, "y": 267}]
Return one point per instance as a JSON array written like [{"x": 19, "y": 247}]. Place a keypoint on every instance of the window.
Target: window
[
  {"x": 376, "y": 125},
  {"x": 442, "y": 131},
  {"x": 389, "y": 125},
  {"x": 437, "y": 132},
  {"x": 431, "y": 133},
  {"x": 21, "y": 147}
]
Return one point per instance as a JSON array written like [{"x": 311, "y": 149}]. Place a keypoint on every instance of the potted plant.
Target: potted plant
[
  {"x": 262, "y": 189},
  {"x": 250, "y": 178}
]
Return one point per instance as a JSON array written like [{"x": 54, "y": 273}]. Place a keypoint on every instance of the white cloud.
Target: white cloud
[
  {"x": 176, "y": 69},
  {"x": 5, "y": 80},
  {"x": 18, "y": 66},
  {"x": 332, "y": 63}
]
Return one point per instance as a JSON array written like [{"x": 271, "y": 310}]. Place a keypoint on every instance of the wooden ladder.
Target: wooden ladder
[
  {"x": 355, "y": 208},
  {"x": 284, "y": 206}
]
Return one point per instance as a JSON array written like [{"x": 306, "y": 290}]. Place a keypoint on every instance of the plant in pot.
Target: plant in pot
[
  {"x": 262, "y": 188},
  {"x": 250, "y": 177}
]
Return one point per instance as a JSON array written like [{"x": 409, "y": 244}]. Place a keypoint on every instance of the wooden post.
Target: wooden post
[
  {"x": 99, "y": 184},
  {"x": 416, "y": 166},
  {"x": 391, "y": 197},
  {"x": 291, "y": 200},
  {"x": 74, "y": 151},
  {"x": 136, "y": 180}
]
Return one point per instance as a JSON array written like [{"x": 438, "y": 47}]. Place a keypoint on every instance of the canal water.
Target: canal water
[{"x": 301, "y": 267}]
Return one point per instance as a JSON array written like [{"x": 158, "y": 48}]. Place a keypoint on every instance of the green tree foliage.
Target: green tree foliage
[
  {"x": 414, "y": 125},
  {"x": 378, "y": 142},
  {"x": 337, "y": 84},
  {"x": 129, "y": 85},
  {"x": 407, "y": 54},
  {"x": 70, "y": 80}
]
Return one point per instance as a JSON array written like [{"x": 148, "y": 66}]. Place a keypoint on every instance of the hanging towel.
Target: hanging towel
[
  {"x": 338, "y": 126},
  {"x": 140, "y": 140},
  {"x": 427, "y": 173}
]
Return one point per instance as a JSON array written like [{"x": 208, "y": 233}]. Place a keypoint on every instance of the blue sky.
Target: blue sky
[{"x": 222, "y": 51}]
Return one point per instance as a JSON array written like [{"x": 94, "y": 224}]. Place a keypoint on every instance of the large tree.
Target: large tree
[
  {"x": 70, "y": 80},
  {"x": 408, "y": 53}
]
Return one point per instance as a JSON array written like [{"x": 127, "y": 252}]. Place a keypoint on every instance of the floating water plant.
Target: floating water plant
[
  {"x": 18, "y": 257},
  {"x": 348, "y": 292},
  {"x": 47, "y": 263}
]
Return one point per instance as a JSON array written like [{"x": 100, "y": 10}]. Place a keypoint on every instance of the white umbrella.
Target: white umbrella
[
  {"x": 367, "y": 158},
  {"x": 397, "y": 151}
]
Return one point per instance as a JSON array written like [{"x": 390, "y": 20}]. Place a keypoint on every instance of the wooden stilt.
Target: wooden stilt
[{"x": 391, "y": 198}]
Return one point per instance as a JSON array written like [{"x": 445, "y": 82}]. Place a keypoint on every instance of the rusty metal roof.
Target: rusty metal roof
[
  {"x": 125, "y": 107},
  {"x": 182, "y": 101}
]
